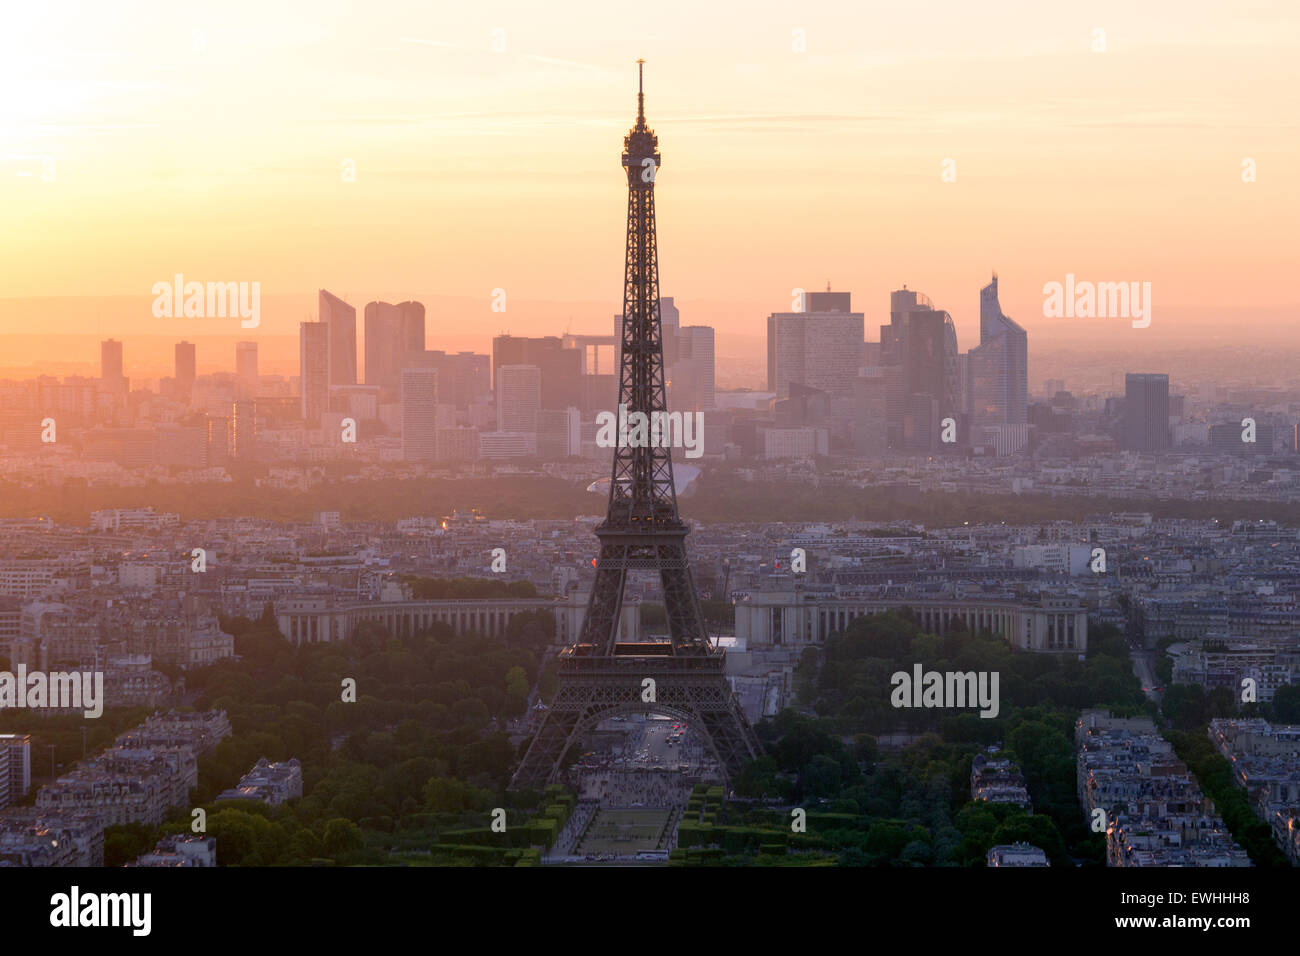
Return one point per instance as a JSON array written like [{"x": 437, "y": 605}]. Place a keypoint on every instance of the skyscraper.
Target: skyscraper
[
  {"x": 463, "y": 377},
  {"x": 692, "y": 377},
  {"x": 871, "y": 412},
  {"x": 998, "y": 368},
  {"x": 1146, "y": 412},
  {"x": 313, "y": 363},
  {"x": 560, "y": 367},
  {"x": 954, "y": 371},
  {"x": 820, "y": 347},
  {"x": 110, "y": 367},
  {"x": 19, "y": 749},
  {"x": 519, "y": 397},
  {"x": 342, "y": 321},
  {"x": 185, "y": 364},
  {"x": 246, "y": 375},
  {"x": 559, "y": 433},
  {"x": 420, "y": 413},
  {"x": 670, "y": 322},
  {"x": 921, "y": 342},
  {"x": 394, "y": 334},
  {"x": 243, "y": 430}
]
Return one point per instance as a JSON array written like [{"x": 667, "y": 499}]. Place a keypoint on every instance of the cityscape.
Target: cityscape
[{"x": 811, "y": 580}]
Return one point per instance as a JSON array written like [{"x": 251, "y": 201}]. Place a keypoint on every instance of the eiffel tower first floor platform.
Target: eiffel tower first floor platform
[{"x": 591, "y": 688}]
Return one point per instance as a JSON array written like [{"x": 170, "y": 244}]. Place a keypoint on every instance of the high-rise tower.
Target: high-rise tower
[
  {"x": 342, "y": 321},
  {"x": 246, "y": 376},
  {"x": 110, "y": 367},
  {"x": 999, "y": 366},
  {"x": 819, "y": 346},
  {"x": 683, "y": 674},
  {"x": 1146, "y": 412},
  {"x": 314, "y": 369},
  {"x": 185, "y": 365},
  {"x": 394, "y": 341}
]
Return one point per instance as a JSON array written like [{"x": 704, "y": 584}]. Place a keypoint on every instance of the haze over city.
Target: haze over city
[
  {"x": 187, "y": 145},
  {"x": 680, "y": 437}
]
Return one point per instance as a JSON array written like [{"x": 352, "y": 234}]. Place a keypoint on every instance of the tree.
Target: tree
[
  {"x": 122, "y": 844},
  {"x": 757, "y": 778},
  {"x": 1185, "y": 705},
  {"x": 1286, "y": 704},
  {"x": 343, "y": 839},
  {"x": 1222, "y": 702},
  {"x": 517, "y": 690},
  {"x": 823, "y": 776},
  {"x": 449, "y": 795},
  {"x": 306, "y": 846},
  {"x": 470, "y": 711},
  {"x": 917, "y": 853},
  {"x": 865, "y": 748},
  {"x": 245, "y": 838},
  {"x": 1039, "y": 831}
]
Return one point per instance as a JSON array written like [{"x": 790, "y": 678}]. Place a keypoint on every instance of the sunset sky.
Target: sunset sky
[{"x": 210, "y": 138}]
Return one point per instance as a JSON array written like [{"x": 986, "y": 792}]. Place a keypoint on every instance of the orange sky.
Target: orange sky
[{"x": 209, "y": 139}]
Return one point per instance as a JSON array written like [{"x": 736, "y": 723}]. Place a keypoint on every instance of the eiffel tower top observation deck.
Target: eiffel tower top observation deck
[{"x": 640, "y": 144}]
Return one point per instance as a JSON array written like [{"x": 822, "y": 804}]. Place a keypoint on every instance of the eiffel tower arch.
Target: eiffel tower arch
[{"x": 599, "y": 675}]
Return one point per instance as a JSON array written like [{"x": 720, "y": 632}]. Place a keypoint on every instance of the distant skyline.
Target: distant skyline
[
  {"x": 75, "y": 328},
  {"x": 180, "y": 144}
]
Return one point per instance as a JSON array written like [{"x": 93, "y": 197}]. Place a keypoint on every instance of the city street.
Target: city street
[{"x": 1144, "y": 668}]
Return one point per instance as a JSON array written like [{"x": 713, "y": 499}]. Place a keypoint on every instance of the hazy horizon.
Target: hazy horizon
[
  {"x": 81, "y": 323},
  {"x": 793, "y": 154}
]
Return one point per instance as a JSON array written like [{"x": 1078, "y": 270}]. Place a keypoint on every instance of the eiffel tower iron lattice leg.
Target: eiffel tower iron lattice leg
[
  {"x": 693, "y": 690},
  {"x": 599, "y": 675}
]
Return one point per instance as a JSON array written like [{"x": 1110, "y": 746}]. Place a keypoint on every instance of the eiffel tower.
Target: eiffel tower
[{"x": 601, "y": 676}]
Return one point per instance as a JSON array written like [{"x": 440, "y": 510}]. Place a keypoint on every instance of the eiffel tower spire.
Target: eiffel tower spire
[
  {"x": 642, "y": 529},
  {"x": 604, "y": 672},
  {"x": 640, "y": 93}
]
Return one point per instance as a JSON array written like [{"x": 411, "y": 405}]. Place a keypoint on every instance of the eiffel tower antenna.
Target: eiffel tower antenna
[
  {"x": 604, "y": 673},
  {"x": 640, "y": 93}
]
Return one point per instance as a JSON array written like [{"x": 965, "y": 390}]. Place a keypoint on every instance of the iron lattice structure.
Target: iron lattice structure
[{"x": 600, "y": 676}]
